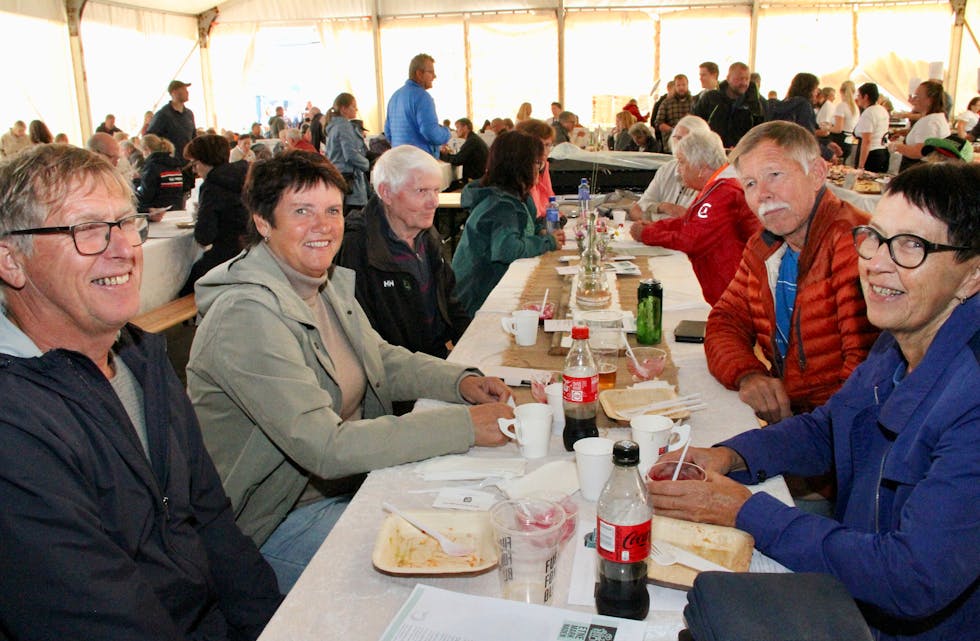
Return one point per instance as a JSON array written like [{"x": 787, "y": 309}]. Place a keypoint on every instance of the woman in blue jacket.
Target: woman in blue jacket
[
  {"x": 347, "y": 151},
  {"x": 503, "y": 224},
  {"x": 902, "y": 434}
]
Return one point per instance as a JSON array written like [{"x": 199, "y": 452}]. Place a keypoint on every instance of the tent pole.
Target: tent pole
[
  {"x": 73, "y": 9},
  {"x": 204, "y": 23},
  {"x": 378, "y": 81},
  {"x": 560, "y": 15}
]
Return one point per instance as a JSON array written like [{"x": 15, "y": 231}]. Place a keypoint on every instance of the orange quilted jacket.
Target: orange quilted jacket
[{"x": 830, "y": 333}]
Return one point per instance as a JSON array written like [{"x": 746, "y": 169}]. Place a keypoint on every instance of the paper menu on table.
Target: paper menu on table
[{"x": 432, "y": 614}]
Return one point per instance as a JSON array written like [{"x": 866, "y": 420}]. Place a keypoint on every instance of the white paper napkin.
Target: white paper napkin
[
  {"x": 469, "y": 468},
  {"x": 554, "y": 477}
]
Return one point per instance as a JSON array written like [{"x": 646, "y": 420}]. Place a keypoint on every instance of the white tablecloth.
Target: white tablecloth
[
  {"x": 342, "y": 596},
  {"x": 168, "y": 255},
  {"x": 867, "y": 202}
]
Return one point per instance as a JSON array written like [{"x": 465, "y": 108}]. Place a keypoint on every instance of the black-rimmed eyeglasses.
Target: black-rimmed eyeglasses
[
  {"x": 92, "y": 238},
  {"x": 907, "y": 250}
]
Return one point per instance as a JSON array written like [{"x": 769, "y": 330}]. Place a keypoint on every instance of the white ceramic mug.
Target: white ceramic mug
[
  {"x": 523, "y": 324},
  {"x": 531, "y": 427},
  {"x": 657, "y": 435}
]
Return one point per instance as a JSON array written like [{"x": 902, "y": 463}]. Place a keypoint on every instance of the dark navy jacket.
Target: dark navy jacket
[
  {"x": 906, "y": 539},
  {"x": 95, "y": 541}
]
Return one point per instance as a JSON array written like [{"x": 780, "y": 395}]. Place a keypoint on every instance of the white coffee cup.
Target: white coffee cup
[
  {"x": 553, "y": 393},
  {"x": 619, "y": 216},
  {"x": 523, "y": 324},
  {"x": 657, "y": 435},
  {"x": 593, "y": 459},
  {"x": 531, "y": 427}
]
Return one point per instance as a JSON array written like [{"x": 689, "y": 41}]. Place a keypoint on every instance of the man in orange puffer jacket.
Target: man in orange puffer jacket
[{"x": 796, "y": 292}]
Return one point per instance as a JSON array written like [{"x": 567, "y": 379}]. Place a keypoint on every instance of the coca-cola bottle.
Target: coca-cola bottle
[
  {"x": 623, "y": 538},
  {"x": 580, "y": 389}
]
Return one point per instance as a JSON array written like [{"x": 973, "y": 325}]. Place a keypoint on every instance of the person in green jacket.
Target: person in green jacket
[{"x": 503, "y": 224}]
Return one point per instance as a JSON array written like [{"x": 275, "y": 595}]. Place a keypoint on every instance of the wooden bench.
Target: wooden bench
[{"x": 166, "y": 316}]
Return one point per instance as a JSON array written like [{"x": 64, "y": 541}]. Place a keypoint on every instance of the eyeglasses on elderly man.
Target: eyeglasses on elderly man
[{"x": 92, "y": 237}]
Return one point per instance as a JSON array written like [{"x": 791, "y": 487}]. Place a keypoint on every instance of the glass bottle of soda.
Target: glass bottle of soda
[
  {"x": 580, "y": 389},
  {"x": 623, "y": 538}
]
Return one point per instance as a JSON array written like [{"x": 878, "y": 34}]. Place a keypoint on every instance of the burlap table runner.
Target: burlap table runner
[{"x": 540, "y": 356}]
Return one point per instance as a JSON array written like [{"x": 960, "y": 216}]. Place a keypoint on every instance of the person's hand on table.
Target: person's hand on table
[
  {"x": 559, "y": 236},
  {"x": 155, "y": 214},
  {"x": 636, "y": 231},
  {"x": 484, "y": 389},
  {"x": 716, "y": 500},
  {"x": 766, "y": 395},
  {"x": 636, "y": 212},
  {"x": 486, "y": 431},
  {"x": 711, "y": 459},
  {"x": 671, "y": 209}
]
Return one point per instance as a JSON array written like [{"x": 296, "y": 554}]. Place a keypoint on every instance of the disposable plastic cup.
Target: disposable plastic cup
[{"x": 527, "y": 533}]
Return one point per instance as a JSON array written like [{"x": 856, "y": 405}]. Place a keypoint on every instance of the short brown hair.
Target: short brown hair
[
  {"x": 292, "y": 170},
  {"x": 211, "y": 149},
  {"x": 537, "y": 128}
]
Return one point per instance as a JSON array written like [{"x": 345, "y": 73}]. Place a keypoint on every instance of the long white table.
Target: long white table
[
  {"x": 342, "y": 596},
  {"x": 168, "y": 255}
]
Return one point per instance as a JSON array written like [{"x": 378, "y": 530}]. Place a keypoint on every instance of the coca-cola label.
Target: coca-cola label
[
  {"x": 624, "y": 543},
  {"x": 580, "y": 390}
]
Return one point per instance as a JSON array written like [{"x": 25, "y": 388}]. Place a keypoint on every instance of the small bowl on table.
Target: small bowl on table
[
  {"x": 543, "y": 314},
  {"x": 652, "y": 361}
]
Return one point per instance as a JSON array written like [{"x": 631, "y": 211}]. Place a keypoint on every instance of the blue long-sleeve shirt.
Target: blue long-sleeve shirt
[{"x": 412, "y": 120}]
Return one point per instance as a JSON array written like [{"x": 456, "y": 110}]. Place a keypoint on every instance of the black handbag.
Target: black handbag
[{"x": 724, "y": 606}]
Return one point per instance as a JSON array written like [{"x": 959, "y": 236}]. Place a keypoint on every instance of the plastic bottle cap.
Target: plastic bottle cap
[
  {"x": 626, "y": 453},
  {"x": 579, "y": 332}
]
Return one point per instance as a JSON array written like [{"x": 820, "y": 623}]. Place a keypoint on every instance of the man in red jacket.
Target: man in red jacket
[
  {"x": 716, "y": 226},
  {"x": 796, "y": 292}
]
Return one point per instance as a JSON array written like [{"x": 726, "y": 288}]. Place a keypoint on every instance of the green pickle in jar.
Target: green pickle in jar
[{"x": 649, "y": 312}]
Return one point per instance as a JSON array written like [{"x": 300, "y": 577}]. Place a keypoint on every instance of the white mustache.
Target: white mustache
[{"x": 769, "y": 205}]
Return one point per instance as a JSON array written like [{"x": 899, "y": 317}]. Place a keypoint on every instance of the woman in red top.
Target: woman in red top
[
  {"x": 542, "y": 190},
  {"x": 718, "y": 223}
]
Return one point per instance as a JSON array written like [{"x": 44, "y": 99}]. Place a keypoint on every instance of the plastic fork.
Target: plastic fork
[
  {"x": 663, "y": 553},
  {"x": 448, "y": 546}
]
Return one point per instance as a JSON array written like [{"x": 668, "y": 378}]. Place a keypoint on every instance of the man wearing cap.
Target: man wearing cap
[
  {"x": 952, "y": 148},
  {"x": 411, "y": 117},
  {"x": 175, "y": 122}
]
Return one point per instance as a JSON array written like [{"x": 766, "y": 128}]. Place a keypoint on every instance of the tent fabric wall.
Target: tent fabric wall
[
  {"x": 130, "y": 57},
  {"x": 633, "y": 43},
  {"x": 43, "y": 86}
]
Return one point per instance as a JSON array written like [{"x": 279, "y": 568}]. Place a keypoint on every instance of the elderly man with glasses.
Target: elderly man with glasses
[{"x": 114, "y": 521}]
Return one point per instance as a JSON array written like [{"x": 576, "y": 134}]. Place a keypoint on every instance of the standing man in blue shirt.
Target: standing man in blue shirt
[{"x": 411, "y": 118}]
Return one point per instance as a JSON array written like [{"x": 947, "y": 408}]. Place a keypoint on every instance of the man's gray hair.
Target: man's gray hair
[
  {"x": 701, "y": 149},
  {"x": 397, "y": 165},
  {"x": 798, "y": 143},
  {"x": 692, "y": 123},
  {"x": 37, "y": 182},
  {"x": 293, "y": 134},
  {"x": 417, "y": 63}
]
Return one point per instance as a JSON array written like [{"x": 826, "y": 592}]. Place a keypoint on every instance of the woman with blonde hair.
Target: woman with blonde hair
[
  {"x": 161, "y": 182},
  {"x": 845, "y": 115},
  {"x": 524, "y": 112},
  {"x": 620, "y": 139}
]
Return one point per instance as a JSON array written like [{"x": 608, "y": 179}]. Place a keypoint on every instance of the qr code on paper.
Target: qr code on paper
[{"x": 586, "y": 632}]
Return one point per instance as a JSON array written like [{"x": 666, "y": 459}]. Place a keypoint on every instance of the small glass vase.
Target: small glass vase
[{"x": 592, "y": 290}]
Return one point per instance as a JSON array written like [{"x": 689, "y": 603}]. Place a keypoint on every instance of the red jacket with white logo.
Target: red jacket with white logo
[{"x": 712, "y": 233}]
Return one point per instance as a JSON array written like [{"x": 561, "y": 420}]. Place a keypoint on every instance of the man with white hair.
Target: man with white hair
[
  {"x": 716, "y": 226},
  {"x": 115, "y": 524},
  {"x": 667, "y": 196},
  {"x": 15, "y": 141},
  {"x": 294, "y": 139},
  {"x": 796, "y": 293},
  {"x": 403, "y": 281}
]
